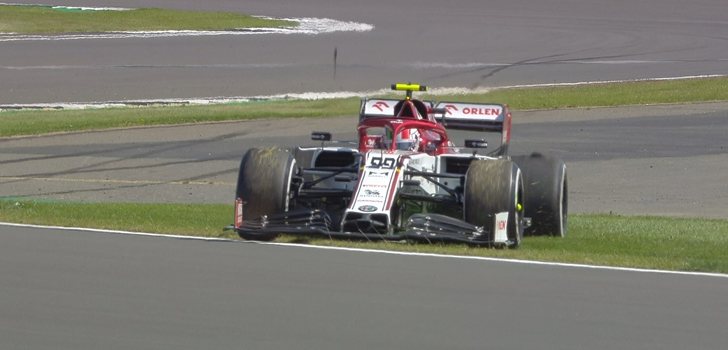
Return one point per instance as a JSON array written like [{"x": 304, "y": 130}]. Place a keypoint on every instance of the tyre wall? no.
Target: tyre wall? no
[
  {"x": 264, "y": 183},
  {"x": 493, "y": 186},
  {"x": 546, "y": 194}
]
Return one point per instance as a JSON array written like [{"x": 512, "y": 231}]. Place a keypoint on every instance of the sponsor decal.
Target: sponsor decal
[
  {"x": 378, "y": 173},
  {"x": 451, "y": 108},
  {"x": 238, "y": 212},
  {"x": 376, "y": 182},
  {"x": 372, "y": 193},
  {"x": 481, "y": 111},
  {"x": 461, "y": 110},
  {"x": 367, "y": 208},
  {"x": 372, "y": 142},
  {"x": 501, "y": 227},
  {"x": 381, "y": 106}
]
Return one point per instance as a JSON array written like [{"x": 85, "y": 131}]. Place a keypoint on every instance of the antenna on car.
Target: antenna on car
[
  {"x": 408, "y": 87},
  {"x": 443, "y": 113}
]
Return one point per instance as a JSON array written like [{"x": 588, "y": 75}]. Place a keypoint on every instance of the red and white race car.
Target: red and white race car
[{"x": 406, "y": 180}]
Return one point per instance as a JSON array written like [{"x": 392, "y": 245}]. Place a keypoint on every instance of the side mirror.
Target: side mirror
[
  {"x": 476, "y": 144},
  {"x": 321, "y": 136}
]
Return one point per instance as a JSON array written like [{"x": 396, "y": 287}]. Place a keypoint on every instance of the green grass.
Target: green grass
[
  {"x": 46, "y": 20},
  {"x": 182, "y": 219},
  {"x": 643, "y": 242},
  {"x": 607, "y": 94},
  {"x": 34, "y": 122}
]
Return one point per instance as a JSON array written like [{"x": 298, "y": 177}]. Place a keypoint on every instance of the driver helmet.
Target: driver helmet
[{"x": 408, "y": 140}]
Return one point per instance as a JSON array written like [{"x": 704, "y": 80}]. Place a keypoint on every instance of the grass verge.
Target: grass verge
[
  {"x": 607, "y": 94},
  {"x": 642, "y": 242},
  {"x": 48, "y": 20},
  {"x": 34, "y": 122}
]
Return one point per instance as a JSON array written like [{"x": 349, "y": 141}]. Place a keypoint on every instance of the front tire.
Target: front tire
[
  {"x": 546, "y": 201},
  {"x": 493, "y": 186},
  {"x": 264, "y": 184}
]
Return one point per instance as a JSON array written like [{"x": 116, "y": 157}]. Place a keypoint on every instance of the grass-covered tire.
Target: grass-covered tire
[
  {"x": 493, "y": 186},
  {"x": 264, "y": 183},
  {"x": 546, "y": 189}
]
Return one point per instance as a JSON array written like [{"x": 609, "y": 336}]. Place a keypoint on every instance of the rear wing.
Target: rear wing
[
  {"x": 472, "y": 116},
  {"x": 489, "y": 117}
]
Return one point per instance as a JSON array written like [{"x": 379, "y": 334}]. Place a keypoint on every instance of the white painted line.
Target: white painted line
[
  {"x": 483, "y": 65},
  {"x": 703, "y": 76},
  {"x": 307, "y": 95},
  {"x": 514, "y": 261},
  {"x": 311, "y": 25},
  {"x": 620, "y": 61},
  {"x": 91, "y": 8},
  {"x": 71, "y": 7},
  {"x": 129, "y": 233},
  {"x": 374, "y": 251}
]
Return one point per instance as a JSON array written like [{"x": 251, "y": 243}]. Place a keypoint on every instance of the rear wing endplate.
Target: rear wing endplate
[
  {"x": 382, "y": 107},
  {"x": 489, "y": 117}
]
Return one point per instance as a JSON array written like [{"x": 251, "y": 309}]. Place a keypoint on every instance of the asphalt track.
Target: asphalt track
[
  {"x": 81, "y": 290},
  {"x": 464, "y": 43},
  {"x": 86, "y": 290}
]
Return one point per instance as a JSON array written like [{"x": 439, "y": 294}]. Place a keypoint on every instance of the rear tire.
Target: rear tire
[
  {"x": 493, "y": 186},
  {"x": 264, "y": 183},
  {"x": 546, "y": 201}
]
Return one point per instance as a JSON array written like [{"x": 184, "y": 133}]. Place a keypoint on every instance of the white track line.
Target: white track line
[
  {"x": 477, "y": 65},
  {"x": 306, "y": 95},
  {"x": 80, "y": 8},
  {"x": 373, "y": 251}
]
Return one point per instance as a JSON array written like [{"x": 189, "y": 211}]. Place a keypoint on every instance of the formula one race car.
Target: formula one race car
[{"x": 406, "y": 180}]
